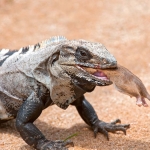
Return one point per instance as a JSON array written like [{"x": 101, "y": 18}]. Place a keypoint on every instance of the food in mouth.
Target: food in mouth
[
  {"x": 125, "y": 82},
  {"x": 97, "y": 73}
]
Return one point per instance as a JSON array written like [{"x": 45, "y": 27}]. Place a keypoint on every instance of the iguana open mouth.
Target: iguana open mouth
[
  {"x": 100, "y": 75},
  {"x": 95, "y": 72}
]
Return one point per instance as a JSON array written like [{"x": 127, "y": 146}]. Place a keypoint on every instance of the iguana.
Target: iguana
[{"x": 51, "y": 72}]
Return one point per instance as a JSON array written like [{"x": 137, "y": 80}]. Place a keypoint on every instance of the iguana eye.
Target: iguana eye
[{"x": 82, "y": 54}]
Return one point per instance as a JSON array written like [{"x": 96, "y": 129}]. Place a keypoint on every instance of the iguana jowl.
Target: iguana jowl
[{"x": 52, "y": 72}]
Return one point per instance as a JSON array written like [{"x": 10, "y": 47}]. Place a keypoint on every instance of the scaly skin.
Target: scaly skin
[{"x": 52, "y": 72}]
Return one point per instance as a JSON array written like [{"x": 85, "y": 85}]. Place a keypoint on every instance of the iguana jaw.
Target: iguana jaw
[
  {"x": 89, "y": 72},
  {"x": 97, "y": 75}
]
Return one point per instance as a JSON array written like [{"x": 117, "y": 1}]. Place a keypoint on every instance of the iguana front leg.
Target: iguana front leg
[
  {"x": 28, "y": 113},
  {"x": 89, "y": 115}
]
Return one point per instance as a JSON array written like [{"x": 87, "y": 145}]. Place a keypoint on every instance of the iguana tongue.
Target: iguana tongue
[
  {"x": 100, "y": 74},
  {"x": 96, "y": 72}
]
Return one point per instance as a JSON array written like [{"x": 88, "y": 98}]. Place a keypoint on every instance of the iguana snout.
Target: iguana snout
[{"x": 107, "y": 64}]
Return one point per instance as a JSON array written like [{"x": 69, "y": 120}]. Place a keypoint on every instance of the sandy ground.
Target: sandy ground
[{"x": 123, "y": 27}]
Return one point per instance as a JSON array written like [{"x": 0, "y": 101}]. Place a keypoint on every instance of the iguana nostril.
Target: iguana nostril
[{"x": 104, "y": 61}]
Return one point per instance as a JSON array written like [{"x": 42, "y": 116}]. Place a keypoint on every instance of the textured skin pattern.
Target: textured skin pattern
[{"x": 9, "y": 107}]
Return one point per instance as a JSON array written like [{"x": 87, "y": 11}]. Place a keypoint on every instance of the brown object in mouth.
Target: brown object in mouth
[
  {"x": 125, "y": 82},
  {"x": 128, "y": 83}
]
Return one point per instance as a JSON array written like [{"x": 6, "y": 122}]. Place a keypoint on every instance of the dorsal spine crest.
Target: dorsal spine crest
[{"x": 54, "y": 39}]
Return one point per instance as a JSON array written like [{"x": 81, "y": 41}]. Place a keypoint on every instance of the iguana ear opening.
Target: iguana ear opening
[{"x": 55, "y": 57}]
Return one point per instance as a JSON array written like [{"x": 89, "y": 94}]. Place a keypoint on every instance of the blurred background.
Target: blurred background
[{"x": 123, "y": 27}]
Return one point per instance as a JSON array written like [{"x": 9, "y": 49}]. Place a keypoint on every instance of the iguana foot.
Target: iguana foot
[
  {"x": 55, "y": 145},
  {"x": 104, "y": 127}
]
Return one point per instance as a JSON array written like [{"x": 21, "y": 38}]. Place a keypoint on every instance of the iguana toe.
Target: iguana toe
[{"x": 104, "y": 127}]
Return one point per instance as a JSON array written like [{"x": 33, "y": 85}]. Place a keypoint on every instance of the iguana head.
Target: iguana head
[{"x": 84, "y": 61}]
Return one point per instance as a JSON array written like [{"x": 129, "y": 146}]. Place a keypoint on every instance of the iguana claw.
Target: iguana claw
[{"x": 104, "y": 127}]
